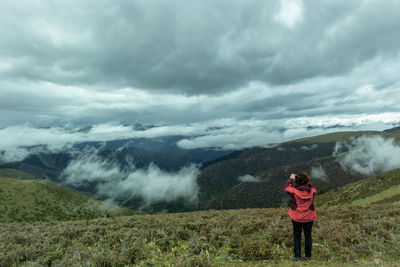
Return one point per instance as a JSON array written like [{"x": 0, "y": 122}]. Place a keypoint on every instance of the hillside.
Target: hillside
[
  {"x": 220, "y": 187},
  {"x": 393, "y": 130},
  {"x": 219, "y": 183},
  {"x": 41, "y": 200},
  {"x": 342, "y": 236},
  {"x": 383, "y": 188},
  {"x": 13, "y": 173}
]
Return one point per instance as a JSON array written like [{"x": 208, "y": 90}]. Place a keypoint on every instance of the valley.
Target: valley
[{"x": 236, "y": 222}]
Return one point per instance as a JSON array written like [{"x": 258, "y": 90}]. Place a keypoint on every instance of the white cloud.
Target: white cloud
[
  {"x": 249, "y": 133},
  {"x": 150, "y": 184},
  {"x": 356, "y": 120},
  {"x": 369, "y": 155},
  {"x": 248, "y": 178},
  {"x": 19, "y": 141},
  {"x": 291, "y": 12},
  {"x": 318, "y": 172},
  {"x": 311, "y": 147}
]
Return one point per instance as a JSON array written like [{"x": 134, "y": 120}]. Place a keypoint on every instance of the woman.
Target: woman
[{"x": 301, "y": 211}]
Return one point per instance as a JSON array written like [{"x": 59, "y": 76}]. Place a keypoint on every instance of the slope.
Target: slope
[
  {"x": 220, "y": 187},
  {"x": 13, "y": 173},
  {"x": 40, "y": 200},
  {"x": 383, "y": 188},
  {"x": 342, "y": 236}
]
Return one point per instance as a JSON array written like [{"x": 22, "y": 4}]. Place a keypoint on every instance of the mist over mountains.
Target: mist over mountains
[
  {"x": 145, "y": 168},
  {"x": 149, "y": 106},
  {"x": 155, "y": 173},
  {"x": 369, "y": 155},
  {"x": 118, "y": 179},
  {"x": 361, "y": 154},
  {"x": 161, "y": 88},
  {"x": 19, "y": 141}
]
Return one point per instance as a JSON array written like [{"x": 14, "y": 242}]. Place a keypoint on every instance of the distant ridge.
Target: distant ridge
[
  {"x": 333, "y": 137},
  {"x": 392, "y": 130}
]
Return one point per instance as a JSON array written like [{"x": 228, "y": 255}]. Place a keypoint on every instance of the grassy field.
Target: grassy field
[
  {"x": 383, "y": 188},
  {"x": 41, "y": 200},
  {"x": 342, "y": 236}
]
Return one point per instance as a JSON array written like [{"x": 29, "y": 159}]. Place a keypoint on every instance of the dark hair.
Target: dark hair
[{"x": 302, "y": 178}]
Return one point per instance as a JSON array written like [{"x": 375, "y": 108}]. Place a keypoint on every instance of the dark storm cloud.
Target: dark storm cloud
[
  {"x": 183, "y": 62},
  {"x": 192, "y": 46}
]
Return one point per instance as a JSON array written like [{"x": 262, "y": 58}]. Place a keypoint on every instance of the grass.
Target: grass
[
  {"x": 342, "y": 236},
  {"x": 388, "y": 194},
  {"x": 41, "y": 200},
  {"x": 13, "y": 173},
  {"x": 382, "y": 188}
]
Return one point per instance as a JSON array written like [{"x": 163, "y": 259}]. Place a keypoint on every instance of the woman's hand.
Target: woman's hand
[{"x": 292, "y": 176}]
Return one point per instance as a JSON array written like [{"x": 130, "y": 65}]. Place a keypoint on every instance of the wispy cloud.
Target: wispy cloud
[
  {"x": 369, "y": 155},
  {"x": 318, "y": 172},
  {"x": 19, "y": 141},
  {"x": 248, "y": 178},
  {"x": 151, "y": 184}
]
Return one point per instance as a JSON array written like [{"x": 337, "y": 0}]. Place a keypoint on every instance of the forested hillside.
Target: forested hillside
[{"x": 220, "y": 183}]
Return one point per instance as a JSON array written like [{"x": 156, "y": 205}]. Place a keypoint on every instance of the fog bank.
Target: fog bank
[
  {"x": 151, "y": 184},
  {"x": 369, "y": 155}
]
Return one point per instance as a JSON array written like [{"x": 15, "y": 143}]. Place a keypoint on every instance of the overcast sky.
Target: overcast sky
[{"x": 248, "y": 63}]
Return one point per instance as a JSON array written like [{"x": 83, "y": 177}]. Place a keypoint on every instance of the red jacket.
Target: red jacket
[{"x": 302, "y": 207}]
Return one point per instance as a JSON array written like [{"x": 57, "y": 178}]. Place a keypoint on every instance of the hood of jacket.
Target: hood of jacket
[{"x": 304, "y": 191}]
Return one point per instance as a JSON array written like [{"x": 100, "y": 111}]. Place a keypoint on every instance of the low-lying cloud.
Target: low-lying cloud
[
  {"x": 19, "y": 141},
  {"x": 369, "y": 155},
  {"x": 150, "y": 184},
  {"x": 318, "y": 172},
  {"x": 248, "y": 178},
  {"x": 311, "y": 147}
]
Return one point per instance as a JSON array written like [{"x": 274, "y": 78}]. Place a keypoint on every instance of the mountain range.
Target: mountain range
[{"x": 248, "y": 178}]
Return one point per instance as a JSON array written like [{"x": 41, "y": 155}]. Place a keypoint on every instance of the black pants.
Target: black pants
[{"x": 297, "y": 228}]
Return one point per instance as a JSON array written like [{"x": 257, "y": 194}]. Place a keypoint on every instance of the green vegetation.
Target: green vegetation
[
  {"x": 45, "y": 224},
  {"x": 13, "y": 173},
  {"x": 389, "y": 195},
  {"x": 342, "y": 236},
  {"x": 383, "y": 188},
  {"x": 41, "y": 200}
]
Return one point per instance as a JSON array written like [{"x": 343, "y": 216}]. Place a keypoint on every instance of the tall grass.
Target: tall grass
[{"x": 341, "y": 235}]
